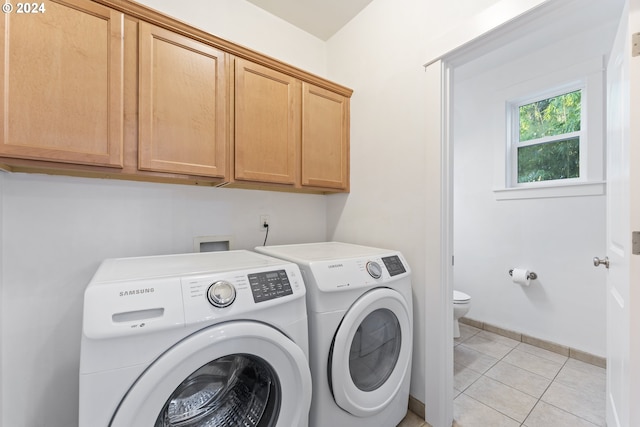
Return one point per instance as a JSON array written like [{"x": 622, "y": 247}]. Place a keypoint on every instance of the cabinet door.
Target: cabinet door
[
  {"x": 325, "y": 138},
  {"x": 183, "y": 104},
  {"x": 267, "y": 124},
  {"x": 61, "y": 84}
]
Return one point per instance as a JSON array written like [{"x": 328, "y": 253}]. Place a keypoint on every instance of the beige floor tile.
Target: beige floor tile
[
  {"x": 473, "y": 359},
  {"x": 487, "y": 346},
  {"x": 463, "y": 376},
  {"x": 553, "y": 347},
  {"x": 533, "y": 363},
  {"x": 518, "y": 378},
  {"x": 468, "y": 412},
  {"x": 588, "y": 358},
  {"x": 466, "y": 332},
  {"x": 585, "y": 404},
  {"x": 586, "y": 368},
  {"x": 541, "y": 352},
  {"x": 507, "y": 400},
  {"x": 502, "y": 382},
  {"x": 499, "y": 338},
  {"x": 545, "y": 415},
  {"x": 412, "y": 420},
  {"x": 583, "y": 376}
]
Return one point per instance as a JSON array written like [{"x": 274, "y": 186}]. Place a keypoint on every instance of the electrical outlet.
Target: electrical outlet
[{"x": 264, "y": 219}]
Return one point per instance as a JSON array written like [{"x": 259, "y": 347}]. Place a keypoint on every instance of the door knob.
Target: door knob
[{"x": 597, "y": 261}]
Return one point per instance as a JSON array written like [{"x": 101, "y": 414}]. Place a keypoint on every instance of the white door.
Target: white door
[
  {"x": 371, "y": 352},
  {"x": 237, "y": 373},
  {"x": 623, "y": 183}
]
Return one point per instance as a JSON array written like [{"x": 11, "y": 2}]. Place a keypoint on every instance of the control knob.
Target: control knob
[
  {"x": 221, "y": 294},
  {"x": 374, "y": 269}
]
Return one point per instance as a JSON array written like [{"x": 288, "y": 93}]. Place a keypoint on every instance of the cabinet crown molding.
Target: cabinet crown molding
[{"x": 154, "y": 17}]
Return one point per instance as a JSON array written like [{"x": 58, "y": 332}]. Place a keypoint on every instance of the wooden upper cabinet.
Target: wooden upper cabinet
[
  {"x": 61, "y": 84},
  {"x": 183, "y": 104},
  {"x": 325, "y": 138},
  {"x": 267, "y": 117},
  {"x": 114, "y": 89}
]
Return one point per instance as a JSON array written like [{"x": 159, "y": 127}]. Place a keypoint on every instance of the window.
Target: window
[
  {"x": 547, "y": 138},
  {"x": 552, "y": 141}
]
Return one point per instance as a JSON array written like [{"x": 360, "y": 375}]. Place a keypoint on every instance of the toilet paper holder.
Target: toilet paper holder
[{"x": 530, "y": 276}]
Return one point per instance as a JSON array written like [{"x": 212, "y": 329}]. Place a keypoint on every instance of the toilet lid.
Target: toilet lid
[{"x": 460, "y": 297}]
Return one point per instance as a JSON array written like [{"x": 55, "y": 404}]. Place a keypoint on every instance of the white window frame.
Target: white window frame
[
  {"x": 587, "y": 76},
  {"x": 513, "y": 142}
]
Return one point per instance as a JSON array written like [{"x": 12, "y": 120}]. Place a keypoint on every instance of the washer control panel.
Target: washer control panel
[
  {"x": 231, "y": 294},
  {"x": 136, "y": 295},
  {"x": 267, "y": 285}
]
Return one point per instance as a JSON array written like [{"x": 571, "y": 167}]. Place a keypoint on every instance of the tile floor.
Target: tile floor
[
  {"x": 503, "y": 382},
  {"x": 500, "y": 382},
  {"x": 412, "y": 420}
]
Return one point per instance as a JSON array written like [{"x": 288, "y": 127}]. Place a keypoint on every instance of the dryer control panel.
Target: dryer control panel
[
  {"x": 354, "y": 273},
  {"x": 394, "y": 265}
]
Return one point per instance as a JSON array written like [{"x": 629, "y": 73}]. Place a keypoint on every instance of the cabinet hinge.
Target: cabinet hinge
[
  {"x": 635, "y": 242},
  {"x": 635, "y": 44}
]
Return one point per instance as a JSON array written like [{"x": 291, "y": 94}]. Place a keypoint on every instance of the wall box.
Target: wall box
[{"x": 212, "y": 243}]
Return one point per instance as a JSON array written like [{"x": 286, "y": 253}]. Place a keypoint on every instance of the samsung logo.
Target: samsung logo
[
  {"x": 137, "y": 292},
  {"x": 336, "y": 265}
]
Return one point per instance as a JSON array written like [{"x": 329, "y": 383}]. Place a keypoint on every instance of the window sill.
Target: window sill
[{"x": 543, "y": 191}]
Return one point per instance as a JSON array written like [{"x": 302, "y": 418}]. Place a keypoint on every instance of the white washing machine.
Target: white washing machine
[
  {"x": 359, "y": 307},
  {"x": 207, "y": 339}
]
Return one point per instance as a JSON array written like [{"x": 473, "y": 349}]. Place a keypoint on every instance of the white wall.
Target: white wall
[
  {"x": 380, "y": 55},
  {"x": 247, "y": 25},
  {"x": 56, "y": 230},
  {"x": 555, "y": 237}
]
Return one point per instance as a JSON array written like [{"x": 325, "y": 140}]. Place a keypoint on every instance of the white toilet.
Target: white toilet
[{"x": 461, "y": 305}]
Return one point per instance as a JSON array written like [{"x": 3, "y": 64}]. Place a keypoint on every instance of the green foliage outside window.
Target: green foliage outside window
[{"x": 555, "y": 159}]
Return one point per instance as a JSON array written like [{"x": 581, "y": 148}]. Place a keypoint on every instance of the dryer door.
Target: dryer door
[
  {"x": 238, "y": 373},
  {"x": 371, "y": 352}
]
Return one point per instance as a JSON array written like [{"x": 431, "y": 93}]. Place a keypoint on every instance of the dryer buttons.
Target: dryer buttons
[
  {"x": 221, "y": 294},
  {"x": 374, "y": 269}
]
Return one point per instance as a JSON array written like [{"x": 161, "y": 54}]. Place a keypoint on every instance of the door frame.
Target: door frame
[
  {"x": 634, "y": 214},
  {"x": 448, "y": 52},
  {"x": 438, "y": 302}
]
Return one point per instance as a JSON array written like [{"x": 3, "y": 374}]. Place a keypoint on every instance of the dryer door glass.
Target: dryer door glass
[
  {"x": 370, "y": 357},
  {"x": 374, "y": 350},
  {"x": 235, "y": 390}
]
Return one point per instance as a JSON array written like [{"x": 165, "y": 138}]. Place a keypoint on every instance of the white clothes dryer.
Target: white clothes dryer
[
  {"x": 195, "y": 340},
  {"x": 359, "y": 309}
]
